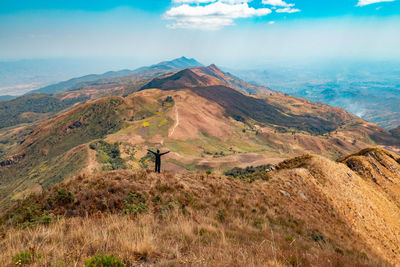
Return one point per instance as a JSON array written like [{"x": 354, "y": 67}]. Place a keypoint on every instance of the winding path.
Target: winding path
[{"x": 176, "y": 122}]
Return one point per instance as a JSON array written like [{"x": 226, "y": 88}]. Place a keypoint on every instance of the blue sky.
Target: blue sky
[{"x": 226, "y": 31}]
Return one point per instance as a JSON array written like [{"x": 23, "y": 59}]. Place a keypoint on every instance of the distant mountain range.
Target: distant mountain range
[
  {"x": 77, "y": 83},
  {"x": 39, "y": 105},
  {"x": 7, "y": 97}
]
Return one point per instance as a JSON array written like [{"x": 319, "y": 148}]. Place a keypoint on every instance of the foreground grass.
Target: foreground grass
[{"x": 170, "y": 220}]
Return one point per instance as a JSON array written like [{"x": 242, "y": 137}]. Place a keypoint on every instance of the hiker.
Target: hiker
[{"x": 158, "y": 159}]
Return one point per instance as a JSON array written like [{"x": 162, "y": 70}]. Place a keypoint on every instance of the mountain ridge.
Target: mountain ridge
[{"x": 71, "y": 84}]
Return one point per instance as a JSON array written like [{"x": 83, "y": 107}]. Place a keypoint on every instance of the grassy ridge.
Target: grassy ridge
[
  {"x": 164, "y": 220},
  {"x": 28, "y": 108}
]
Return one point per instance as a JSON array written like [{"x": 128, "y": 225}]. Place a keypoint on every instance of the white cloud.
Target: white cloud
[
  {"x": 209, "y": 1},
  {"x": 277, "y": 3},
  {"x": 271, "y": 22},
  {"x": 192, "y": 1},
  {"x": 212, "y": 16},
  {"x": 368, "y": 2},
  {"x": 285, "y": 7},
  {"x": 288, "y": 10}
]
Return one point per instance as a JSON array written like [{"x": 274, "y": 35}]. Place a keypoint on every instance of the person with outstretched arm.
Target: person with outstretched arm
[{"x": 158, "y": 159}]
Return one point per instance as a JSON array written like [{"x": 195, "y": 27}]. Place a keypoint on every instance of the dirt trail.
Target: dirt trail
[
  {"x": 176, "y": 122},
  {"x": 92, "y": 163}
]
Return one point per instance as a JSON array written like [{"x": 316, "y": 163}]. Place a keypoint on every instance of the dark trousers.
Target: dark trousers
[{"x": 158, "y": 166}]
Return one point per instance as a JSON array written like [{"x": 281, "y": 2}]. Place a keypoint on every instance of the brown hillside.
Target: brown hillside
[
  {"x": 239, "y": 106},
  {"x": 311, "y": 212}
]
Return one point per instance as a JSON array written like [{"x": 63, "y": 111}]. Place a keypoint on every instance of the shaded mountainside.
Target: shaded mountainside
[
  {"x": 6, "y": 97},
  {"x": 311, "y": 211},
  {"x": 396, "y": 132},
  {"x": 232, "y": 81}
]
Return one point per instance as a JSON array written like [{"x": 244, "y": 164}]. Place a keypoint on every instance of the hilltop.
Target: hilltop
[{"x": 310, "y": 211}]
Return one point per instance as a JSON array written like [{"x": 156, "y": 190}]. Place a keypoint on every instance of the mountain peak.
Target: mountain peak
[
  {"x": 179, "y": 63},
  {"x": 182, "y": 79},
  {"x": 213, "y": 66}
]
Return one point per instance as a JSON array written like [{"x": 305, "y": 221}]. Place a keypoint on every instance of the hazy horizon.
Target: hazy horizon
[{"x": 227, "y": 32}]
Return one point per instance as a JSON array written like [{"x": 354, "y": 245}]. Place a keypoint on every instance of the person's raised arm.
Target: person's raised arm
[
  {"x": 151, "y": 151},
  {"x": 165, "y": 153}
]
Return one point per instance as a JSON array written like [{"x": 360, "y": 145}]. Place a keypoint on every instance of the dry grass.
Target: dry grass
[
  {"x": 205, "y": 220},
  {"x": 176, "y": 241}
]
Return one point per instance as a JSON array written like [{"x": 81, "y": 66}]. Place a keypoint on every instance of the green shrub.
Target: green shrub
[
  {"x": 135, "y": 203},
  {"x": 26, "y": 257},
  {"x": 318, "y": 237},
  {"x": 109, "y": 155},
  {"x": 168, "y": 102},
  {"x": 289, "y": 238},
  {"x": 101, "y": 260},
  {"x": 64, "y": 197},
  {"x": 250, "y": 173},
  {"x": 28, "y": 213},
  {"x": 148, "y": 158},
  {"x": 157, "y": 198},
  {"x": 221, "y": 215},
  {"x": 258, "y": 223}
]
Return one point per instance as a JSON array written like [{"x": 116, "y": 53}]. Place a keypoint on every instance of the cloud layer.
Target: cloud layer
[
  {"x": 211, "y": 16},
  {"x": 368, "y": 2},
  {"x": 279, "y": 3},
  {"x": 287, "y": 10}
]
